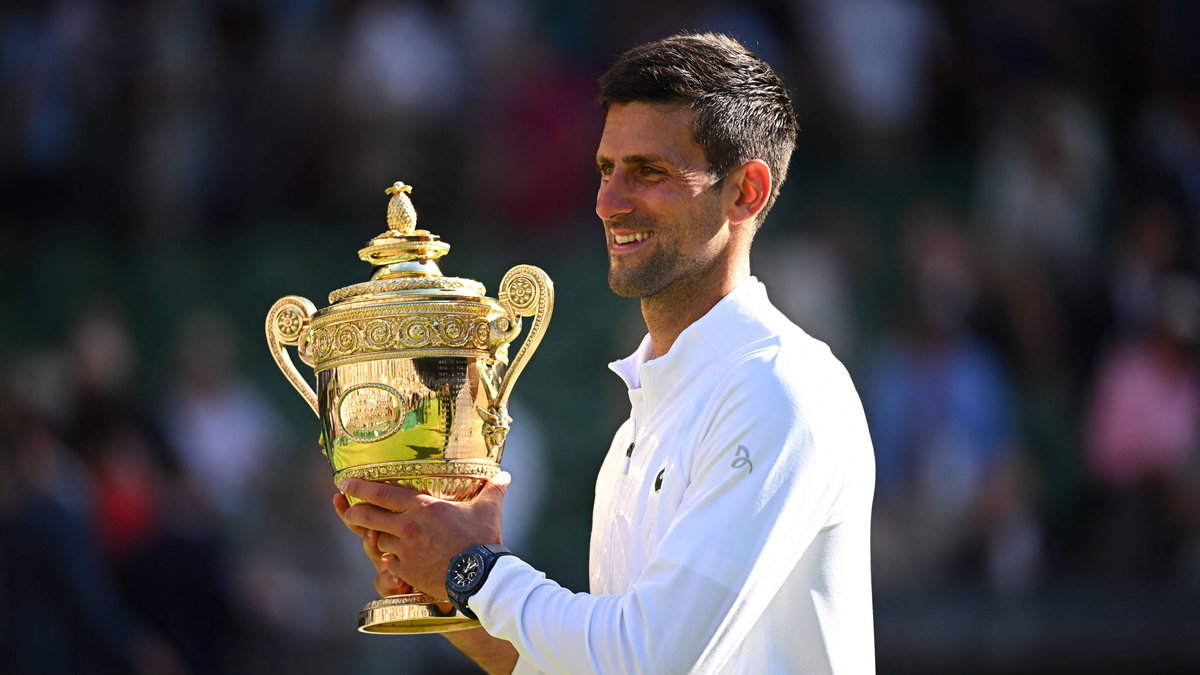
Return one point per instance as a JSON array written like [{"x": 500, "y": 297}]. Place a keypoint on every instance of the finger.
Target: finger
[
  {"x": 385, "y": 496},
  {"x": 384, "y": 561},
  {"x": 384, "y": 557},
  {"x": 341, "y": 504},
  {"x": 371, "y": 548},
  {"x": 388, "y": 544},
  {"x": 493, "y": 490},
  {"x": 387, "y": 583},
  {"x": 368, "y": 517}
]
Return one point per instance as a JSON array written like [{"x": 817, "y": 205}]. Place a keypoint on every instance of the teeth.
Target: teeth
[{"x": 627, "y": 238}]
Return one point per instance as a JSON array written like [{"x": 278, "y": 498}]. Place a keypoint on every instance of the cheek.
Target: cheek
[{"x": 705, "y": 227}]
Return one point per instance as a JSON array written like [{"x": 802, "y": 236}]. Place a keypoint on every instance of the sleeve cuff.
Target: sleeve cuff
[
  {"x": 487, "y": 601},
  {"x": 513, "y": 599}
]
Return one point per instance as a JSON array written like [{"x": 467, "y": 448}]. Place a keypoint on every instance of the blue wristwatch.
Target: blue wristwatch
[{"x": 468, "y": 570}]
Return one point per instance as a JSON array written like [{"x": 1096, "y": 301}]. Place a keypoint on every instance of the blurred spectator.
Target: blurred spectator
[
  {"x": 176, "y": 135},
  {"x": 951, "y": 500},
  {"x": 1152, "y": 246},
  {"x": 875, "y": 59},
  {"x": 1166, "y": 128},
  {"x": 224, "y": 431},
  {"x": 60, "y": 609},
  {"x": 1039, "y": 193},
  {"x": 1041, "y": 184},
  {"x": 171, "y": 572},
  {"x": 400, "y": 75},
  {"x": 1168, "y": 146},
  {"x": 401, "y": 61},
  {"x": 540, "y": 104},
  {"x": 1143, "y": 437}
]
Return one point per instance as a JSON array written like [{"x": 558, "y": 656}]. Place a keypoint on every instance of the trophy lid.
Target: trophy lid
[
  {"x": 405, "y": 258},
  {"x": 409, "y": 310}
]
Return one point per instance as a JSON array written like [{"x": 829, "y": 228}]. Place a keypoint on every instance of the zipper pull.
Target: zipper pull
[{"x": 629, "y": 451}]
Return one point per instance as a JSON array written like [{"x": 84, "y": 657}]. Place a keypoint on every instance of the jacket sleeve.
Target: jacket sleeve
[{"x": 738, "y": 533}]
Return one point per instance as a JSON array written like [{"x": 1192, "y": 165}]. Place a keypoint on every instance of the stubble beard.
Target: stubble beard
[{"x": 650, "y": 278}]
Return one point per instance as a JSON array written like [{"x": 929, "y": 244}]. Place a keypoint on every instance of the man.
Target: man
[{"x": 732, "y": 513}]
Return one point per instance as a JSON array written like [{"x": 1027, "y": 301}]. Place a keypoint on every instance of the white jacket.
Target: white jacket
[{"x": 735, "y": 536}]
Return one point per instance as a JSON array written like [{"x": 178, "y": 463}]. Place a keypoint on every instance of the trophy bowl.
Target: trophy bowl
[{"x": 412, "y": 379}]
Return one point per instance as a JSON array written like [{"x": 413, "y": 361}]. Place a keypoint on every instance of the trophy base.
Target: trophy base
[{"x": 411, "y": 614}]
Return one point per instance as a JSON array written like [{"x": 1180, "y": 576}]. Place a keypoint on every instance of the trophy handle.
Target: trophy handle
[
  {"x": 525, "y": 291},
  {"x": 286, "y": 322}
]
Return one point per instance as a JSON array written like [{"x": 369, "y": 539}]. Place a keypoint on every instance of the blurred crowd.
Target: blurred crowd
[{"x": 992, "y": 218}]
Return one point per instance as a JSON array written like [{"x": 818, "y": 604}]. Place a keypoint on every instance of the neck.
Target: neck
[{"x": 668, "y": 313}]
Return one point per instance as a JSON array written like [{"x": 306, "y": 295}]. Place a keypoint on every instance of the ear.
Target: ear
[{"x": 750, "y": 185}]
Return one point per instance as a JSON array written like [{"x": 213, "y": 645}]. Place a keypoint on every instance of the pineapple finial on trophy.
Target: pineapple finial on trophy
[
  {"x": 403, "y": 250},
  {"x": 401, "y": 216}
]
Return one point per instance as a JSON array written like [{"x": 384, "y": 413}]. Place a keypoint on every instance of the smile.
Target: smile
[{"x": 630, "y": 238}]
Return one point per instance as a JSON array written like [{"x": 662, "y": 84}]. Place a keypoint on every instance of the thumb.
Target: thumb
[{"x": 494, "y": 489}]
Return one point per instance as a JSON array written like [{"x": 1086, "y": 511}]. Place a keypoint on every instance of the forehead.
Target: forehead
[{"x": 650, "y": 130}]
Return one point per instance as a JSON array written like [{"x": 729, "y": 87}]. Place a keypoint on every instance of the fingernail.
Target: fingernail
[{"x": 343, "y": 484}]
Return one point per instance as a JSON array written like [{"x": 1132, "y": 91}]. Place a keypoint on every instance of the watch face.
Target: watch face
[{"x": 466, "y": 571}]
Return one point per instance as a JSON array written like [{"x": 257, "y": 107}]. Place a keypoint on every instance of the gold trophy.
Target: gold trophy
[{"x": 413, "y": 378}]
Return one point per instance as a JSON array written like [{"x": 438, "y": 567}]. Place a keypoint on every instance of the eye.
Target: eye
[
  {"x": 649, "y": 172},
  {"x": 605, "y": 170}
]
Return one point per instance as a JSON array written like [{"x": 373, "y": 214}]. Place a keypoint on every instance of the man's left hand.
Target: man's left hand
[{"x": 422, "y": 532}]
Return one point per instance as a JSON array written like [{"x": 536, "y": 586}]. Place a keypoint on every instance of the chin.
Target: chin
[
  {"x": 634, "y": 288},
  {"x": 623, "y": 290},
  {"x": 626, "y": 293},
  {"x": 642, "y": 281}
]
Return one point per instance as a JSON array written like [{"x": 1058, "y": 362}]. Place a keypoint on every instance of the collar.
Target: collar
[{"x": 735, "y": 319}]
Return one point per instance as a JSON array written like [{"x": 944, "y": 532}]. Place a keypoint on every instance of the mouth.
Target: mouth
[{"x": 623, "y": 242}]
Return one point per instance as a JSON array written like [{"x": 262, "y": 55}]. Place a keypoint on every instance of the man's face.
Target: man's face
[{"x": 660, "y": 205}]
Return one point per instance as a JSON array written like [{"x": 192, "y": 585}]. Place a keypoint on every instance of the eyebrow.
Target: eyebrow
[{"x": 639, "y": 159}]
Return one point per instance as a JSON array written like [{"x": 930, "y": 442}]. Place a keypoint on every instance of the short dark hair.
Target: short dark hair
[{"x": 743, "y": 111}]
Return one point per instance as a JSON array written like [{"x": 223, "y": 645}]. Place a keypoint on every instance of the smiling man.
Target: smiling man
[{"x": 731, "y": 524}]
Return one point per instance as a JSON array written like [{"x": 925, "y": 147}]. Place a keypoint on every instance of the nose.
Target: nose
[{"x": 613, "y": 199}]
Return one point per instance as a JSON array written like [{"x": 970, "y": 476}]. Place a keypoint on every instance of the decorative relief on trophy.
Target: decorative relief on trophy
[
  {"x": 412, "y": 378},
  {"x": 371, "y": 412}
]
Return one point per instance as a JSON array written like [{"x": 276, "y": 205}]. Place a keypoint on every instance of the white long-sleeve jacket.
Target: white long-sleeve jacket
[{"x": 731, "y": 525}]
